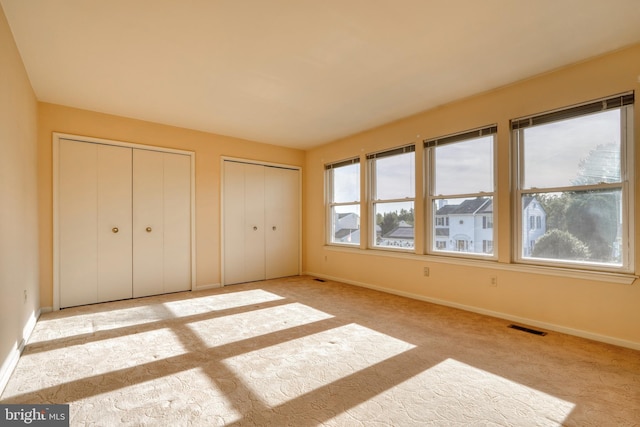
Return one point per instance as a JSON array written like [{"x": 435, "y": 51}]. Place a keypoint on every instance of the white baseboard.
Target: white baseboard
[
  {"x": 8, "y": 366},
  {"x": 11, "y": 361},
  {"x": 522, "y": 320},
  {"x": 210, "y": 286}
]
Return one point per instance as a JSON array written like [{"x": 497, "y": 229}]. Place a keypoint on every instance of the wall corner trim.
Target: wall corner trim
[{"x": 209, "y": 286}]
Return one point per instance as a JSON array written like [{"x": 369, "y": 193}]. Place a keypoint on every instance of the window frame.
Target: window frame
[
  {"x": 331, "y": 204},
  {"x": 625, "y": 102},
  {"x": 430, "y": 197},
  {"x": 372, "y": 200}
]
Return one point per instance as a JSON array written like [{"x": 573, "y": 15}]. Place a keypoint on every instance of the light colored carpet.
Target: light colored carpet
[{"x": 300, "y": 352}]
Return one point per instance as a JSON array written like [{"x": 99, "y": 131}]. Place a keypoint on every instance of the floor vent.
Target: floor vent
[
  {"x": 528, "y": 330},
  {"x": 320, "y": 280}
]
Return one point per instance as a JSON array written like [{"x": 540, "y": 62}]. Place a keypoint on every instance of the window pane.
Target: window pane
[
  {"x": 395, "y": 176},
  {"x": 394, "y": 225},
  {"x": 579, "y": 151},
  {"x": 345, "y": 224},
  {"x": 463, "y": 225},
  {"x": 464, "y": 167},
  {"x": 581, "y": 226},
  {"x": 346, "y": 183}
]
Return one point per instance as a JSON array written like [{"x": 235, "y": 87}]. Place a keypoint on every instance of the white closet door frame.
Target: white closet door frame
[
  {"x": 56, "y": 174},
  {"x": 222, "y": 219}
]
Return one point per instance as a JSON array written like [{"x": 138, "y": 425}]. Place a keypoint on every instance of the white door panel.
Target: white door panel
[
  {"x": 177, "y": 223},
  {"x": 114, "y": 223},
  {"x": 77, "y": 223},
  {"x": 148, "y": 219},
  {"x": 244, "y": 223},
  {"x": 282, "y": 209},
  {"x": 234, "y": 228},
  {"x": 254, "y": 262}
]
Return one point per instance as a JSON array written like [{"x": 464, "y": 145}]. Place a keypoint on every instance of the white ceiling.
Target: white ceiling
[{"x": 299, "y": 73}]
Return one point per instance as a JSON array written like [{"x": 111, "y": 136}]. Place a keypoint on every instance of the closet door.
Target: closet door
[
  {"x": 244, "y": 229},
  {"x": 114, "y": 223},
  {"x": 177, "y": 223},
  {"x": 161, "y": 223},
  {"x": 148, "y": 210},
  {"x": 254, "y": 235},
  {"x": 282, "y": 210},
  {"x": 261, "y": 222},
  {"x": 94, "y": 223}
]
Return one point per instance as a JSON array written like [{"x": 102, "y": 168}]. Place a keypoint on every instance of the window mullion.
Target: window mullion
[
  {"x": 463, "y": 196},
  {"x": 406, "y": 199},
  {"x": 573, "y": 188}
]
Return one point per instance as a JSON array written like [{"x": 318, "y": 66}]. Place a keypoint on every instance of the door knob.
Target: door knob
[
  {"x": 149, "y": 229},
  {"x": 274, "y": 228},
  {"x": 255, "y": 228},
  {"x": 115, "y": 229}
]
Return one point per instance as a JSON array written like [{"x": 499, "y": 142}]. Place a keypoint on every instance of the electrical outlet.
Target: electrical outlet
[
  {"x": 493, "y": 281},
  {"x": 426, "y": 272}
]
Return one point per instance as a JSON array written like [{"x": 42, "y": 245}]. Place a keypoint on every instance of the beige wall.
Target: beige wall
[
  {"x": 208, "y": 148},
  {"x": 596, "y": 309},
  {"x": 18, "y": 202}
]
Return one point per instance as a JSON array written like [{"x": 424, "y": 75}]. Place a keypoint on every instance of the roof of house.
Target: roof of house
[
  {"x": 526, "y": 201},
  {"x": 344, "y": 232},
  {"x": 342, "y": 215},
  {"x": 402, "y": 231},
  {"x": 477, "y": 205}
]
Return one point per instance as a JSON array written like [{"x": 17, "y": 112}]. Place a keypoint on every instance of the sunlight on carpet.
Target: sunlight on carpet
[
  {"x": 77, "y": 362},
  {"x": 455, "y": 393},
  {"x": 79, "y": 324},
  {"x": 213, "y": 303},
  {"x": 285, "y": 371},
  {"x": 242, "y": 326},
  {"x": 188, "y": 394}
]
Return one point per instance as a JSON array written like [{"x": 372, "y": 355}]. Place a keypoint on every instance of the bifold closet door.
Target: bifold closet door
[
  {"x": 244, "y": 228},
  {"x": 94, "y": 223},
  {"x": 161, "y": 223},
  {"x": 282, "y": 211},
  {"x": 261, "y": 222}
]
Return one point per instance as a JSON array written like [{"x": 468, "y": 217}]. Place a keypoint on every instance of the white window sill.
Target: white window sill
[{"x": 599, "y": 276}]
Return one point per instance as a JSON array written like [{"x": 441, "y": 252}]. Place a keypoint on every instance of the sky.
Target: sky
[{"x": 553, "y": 152}]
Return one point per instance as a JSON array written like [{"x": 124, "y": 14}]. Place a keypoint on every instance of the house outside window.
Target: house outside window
[
  {"x": 392, "y": 197},
  {"x": 462, "y": 192},
  {"x": 343, "y": 202},
  {"x": 574, "y": 186}
]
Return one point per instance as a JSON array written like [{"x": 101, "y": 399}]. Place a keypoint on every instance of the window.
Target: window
[
  {"x": 442, "y": 221},
  {"x": 343, "y": 194},
  {"x": 573, "y": 182},
  {"x": 487, "y": 222},
  {"x": 392, "y": 196},
  {"x": 461, "y": 192}
]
